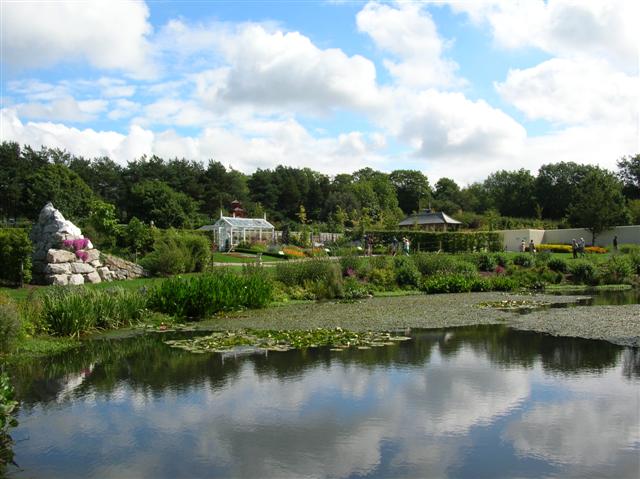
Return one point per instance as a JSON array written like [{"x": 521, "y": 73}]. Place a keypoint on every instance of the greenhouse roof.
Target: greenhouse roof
[{"x": 246, "y": 223}]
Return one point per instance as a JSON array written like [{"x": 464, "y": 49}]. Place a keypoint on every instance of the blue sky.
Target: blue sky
[{"x": 457, "y": 89}]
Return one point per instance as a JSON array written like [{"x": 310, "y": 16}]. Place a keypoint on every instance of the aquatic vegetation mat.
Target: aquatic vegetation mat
[
  {"x": 273, "y": 340},
  {"x": 515, "y": 304}
]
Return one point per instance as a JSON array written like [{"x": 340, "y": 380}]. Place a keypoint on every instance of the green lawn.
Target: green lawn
[{"x": 242, "y": 258}]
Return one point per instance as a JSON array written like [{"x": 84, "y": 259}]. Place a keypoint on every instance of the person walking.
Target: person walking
[
  {"x": 394, "y": 246},
  {"x": 615, "y": 244},
  {"x": 406, "y": 245},
  {"x": 574, "y": 248},
  {"x": 581, "y": 247},
  {"x": 532, "y": 247},
  {"x": 523, "y": 246}
]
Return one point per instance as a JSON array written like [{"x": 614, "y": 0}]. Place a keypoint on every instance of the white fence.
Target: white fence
[{"x": 625, "y": 234}]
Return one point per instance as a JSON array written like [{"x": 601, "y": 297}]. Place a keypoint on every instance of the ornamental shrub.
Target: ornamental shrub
[
  {"x": 448, "y": 283},
  {"x": 355, "y": 266},
  {"x": 617, "y": 270},
  {"x": 178, "y": 252},
  {"x": 501, "y": 259},
  {"x": 583, "y": 271},
  {"x": 15, "y": 256},
  {"x": 502, "y": 283},
  {"x": 430, "y": 264},
  {"x": 354, "y": 289},
  {"x": 382, "y": 278},
  {"x": 558, "y": 264},
  {"x": 524, "y": 260},
  {"x": 406, "y": 272},
  {"x": 486, "y": 262}
]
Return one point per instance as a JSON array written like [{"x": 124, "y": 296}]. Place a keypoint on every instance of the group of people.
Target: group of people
[
  {"x": 531, "y": 248},
  {"x": 577, "y": 247},
  {"x": 394, "y": 248},
  {"x": 406, "y": 246}
]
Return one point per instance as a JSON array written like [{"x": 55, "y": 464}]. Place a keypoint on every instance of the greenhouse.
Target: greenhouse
[{"x": 229, "y": 231}]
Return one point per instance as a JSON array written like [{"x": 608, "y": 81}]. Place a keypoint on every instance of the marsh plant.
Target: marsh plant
[
  {"x": 70, "y": 311},
  {"x": 8, "y": 407},
  {"x": 10, "y": 325},
  {"x": 204, "y": 295},
  {"x": 321, "y": 277}
]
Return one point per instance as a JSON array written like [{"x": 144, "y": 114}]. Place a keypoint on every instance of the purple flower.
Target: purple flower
[
  {"x": 83, "y": 255},
  {"x": 80, "y": 243},
  {"x": 350, "y": 272},
  {"x": 67, "y": 243}
]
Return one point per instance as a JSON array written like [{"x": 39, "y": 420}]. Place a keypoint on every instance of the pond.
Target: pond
[{"x": 484, "y": 401}]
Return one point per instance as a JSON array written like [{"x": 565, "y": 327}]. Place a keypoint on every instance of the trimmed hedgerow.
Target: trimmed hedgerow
[{"x": 448, "y": 242}]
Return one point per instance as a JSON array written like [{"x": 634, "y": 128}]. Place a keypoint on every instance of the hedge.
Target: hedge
[
  {"x": 448, "y": 242},
  {"x": 15, "y": 256}
]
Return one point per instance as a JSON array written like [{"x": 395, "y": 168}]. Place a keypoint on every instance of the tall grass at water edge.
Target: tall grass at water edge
[
  {"x": 67, "y": 311},
  {"x": 204, "y": 295}
]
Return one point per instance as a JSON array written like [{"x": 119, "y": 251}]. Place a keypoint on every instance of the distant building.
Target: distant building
[
  {"x": 237, "y": 211},
  {"x": 229, "y": 231},
  {"x": 428, "y": 220}
]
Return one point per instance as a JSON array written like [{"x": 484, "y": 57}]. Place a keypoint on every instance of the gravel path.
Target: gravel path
[{"x": 617, "y": 324}]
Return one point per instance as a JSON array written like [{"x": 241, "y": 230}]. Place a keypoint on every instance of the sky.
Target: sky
[{"x": 451, "y": 88}]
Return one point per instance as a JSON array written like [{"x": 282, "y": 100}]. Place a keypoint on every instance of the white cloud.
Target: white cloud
[
  {"x": 573, "y": 91},
  {"x": 277, "y": 71},
  {"x": 410, "y": 34},
  {"x": 63, "y": 109},
  {"x": 257, "y": 145},
  {"x": 563, "y": 27},
  {"x": 109, "y": 35},
  {"x": 448, "y": 125}
]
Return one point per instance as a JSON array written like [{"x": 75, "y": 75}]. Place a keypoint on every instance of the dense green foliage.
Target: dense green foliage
[
  {"x": 598, "y": 203},
  {"x": 15, "y": 256},
  {"x": 10, "y": 325},
  {"x": 449, "y": 242},
  {"x": 180, "y": 192},
  {"x": 69, "y": 311},
  {"x": 8, "y": 408},
  {"x": 205, "y": 295},
  {"x": 176, "y": 252}
]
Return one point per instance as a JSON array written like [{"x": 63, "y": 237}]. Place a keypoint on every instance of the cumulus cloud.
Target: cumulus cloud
[
  {"x": 573, "y": 91},
  {"x": 63, "y": 109},
  {"x": 258, "y": 144},
  {"x": 409, "y": 33},
  {"x": 109, "y": 35},
  {"x": 277, "y": 70},
  {"x": 563, "y": 27}
]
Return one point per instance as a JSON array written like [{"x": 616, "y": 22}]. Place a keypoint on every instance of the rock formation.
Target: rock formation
[{"x": 62, "y": 255}]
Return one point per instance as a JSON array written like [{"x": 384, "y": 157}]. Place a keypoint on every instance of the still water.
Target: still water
[{"x": 464, "y": 402}]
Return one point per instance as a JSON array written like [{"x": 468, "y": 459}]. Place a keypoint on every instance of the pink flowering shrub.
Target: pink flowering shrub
[{"x": 78, "y": 245}]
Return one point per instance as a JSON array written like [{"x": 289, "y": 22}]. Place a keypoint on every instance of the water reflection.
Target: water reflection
[{"x": 437, "y": 406}]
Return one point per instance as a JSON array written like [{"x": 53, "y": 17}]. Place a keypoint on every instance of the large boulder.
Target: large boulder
[{"x": 62, "y": 255}]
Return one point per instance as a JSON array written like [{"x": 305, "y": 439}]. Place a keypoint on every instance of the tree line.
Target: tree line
[{"x": 183, "y": 193}]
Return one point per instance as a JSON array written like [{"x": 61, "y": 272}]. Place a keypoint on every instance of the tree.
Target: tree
[
  {"x": 556, "y": 185},
  {"x": 598, "y": 203},
  {"x": 412, "y": 189},
  {"x": 154, "y": 200},
  {"x": 64, "y": 188},
  {"x": 629, "y": 173},
  {"x": 512, "y": 192},
  {"x": 447, "y": 196}
]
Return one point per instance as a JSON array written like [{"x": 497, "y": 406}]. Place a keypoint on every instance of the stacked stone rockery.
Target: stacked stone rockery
[{"x": 62, "y": 255}]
